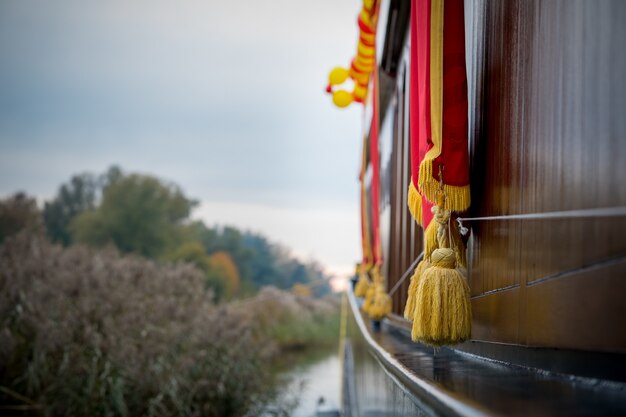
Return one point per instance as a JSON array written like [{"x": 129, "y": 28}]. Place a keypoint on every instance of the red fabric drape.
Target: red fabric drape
[
  {"x": 455, "y": 124},
  {"x": 447, "y": 157},
  {"x": 420, "y": 94},
  {"x": 375, "y": 161}
]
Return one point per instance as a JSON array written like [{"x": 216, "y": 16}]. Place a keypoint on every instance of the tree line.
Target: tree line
[{"x": 144, "y": 215}]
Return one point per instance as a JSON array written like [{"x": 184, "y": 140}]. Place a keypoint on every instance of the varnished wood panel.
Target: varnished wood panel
[
  {"x": 548, "y": 133},
  {"x": 582, "y": 310},
  {"x": 552, "y": 131},
  {"x": 496, "y": 317}
]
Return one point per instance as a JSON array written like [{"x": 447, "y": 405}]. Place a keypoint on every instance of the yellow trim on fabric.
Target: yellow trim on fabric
[
  {"x": 427, "y": 184},
  {"x": 367, "y": 250},
  {"x": 414, "y": 201},
  {"x": 457, "y": 197},
  {"x": 436, "y": 77}
]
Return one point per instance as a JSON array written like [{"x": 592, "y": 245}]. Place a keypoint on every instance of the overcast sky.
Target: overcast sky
[{"x": 226, "y": 99}]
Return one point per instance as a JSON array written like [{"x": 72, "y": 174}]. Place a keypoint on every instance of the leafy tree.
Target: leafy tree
[
  {"x": 263, "y": 261},
  {"x": 138, "y": 213},
  {"x": 222, "y": 260},
  {"x": 299, "y": 273},
  {"x": 231, "y": 240},
  {"x": 73, "y": 198},
  {"x": 259, "y": 261},
  {"x": 143, "y": 215},
  {"x": 17, "y": 213},
  {"x": 113, "y": 174},
  {"x": 216, "y": 276}
]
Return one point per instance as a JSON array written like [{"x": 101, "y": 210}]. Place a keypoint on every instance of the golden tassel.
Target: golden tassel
[
  {"x": 430, "y": 239},
  {"x": 362, "y": 285},
  {"x": 369, "y": 298},
  {"x": 409, "y": 309},
  {"x": 434, "y": 233},
  {"x": 381, "y": 304},
  {"x": 443, "y": 312}
]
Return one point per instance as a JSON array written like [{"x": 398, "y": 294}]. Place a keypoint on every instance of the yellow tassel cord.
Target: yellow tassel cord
[
  {"x": 362, "y": 285},
  {"x": 414, "y": 201},
  {"x": 443, "y": 314},
  {"x": 458, "y": 245},
  {"x": 381, "y": 305},
  {"x": 430, "y": 244}
]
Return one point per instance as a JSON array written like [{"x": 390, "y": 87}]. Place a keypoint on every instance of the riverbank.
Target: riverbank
[
  {"x": 293, "y": 323},
  {"x": 93, "y": 332}
]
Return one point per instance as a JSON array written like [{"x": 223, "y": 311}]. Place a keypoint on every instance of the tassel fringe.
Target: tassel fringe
[
  {"x": 457, "y": 197},
  {"x": 381, "y": 305},
  {"x": 443, "y": 314},
  {"x": 409, "y": 309},
  {"x": 415, "y": 204},
  {"x": 430, "y": 239}
]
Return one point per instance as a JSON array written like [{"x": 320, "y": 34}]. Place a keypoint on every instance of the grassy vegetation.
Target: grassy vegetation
[
  {"x": 303, "y": 334},
  {"x": 88, "y": 332},
  {"x": 293, "y": 322}
]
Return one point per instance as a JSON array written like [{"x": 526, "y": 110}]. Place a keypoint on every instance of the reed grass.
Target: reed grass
[{"x": 87, "y": 332}]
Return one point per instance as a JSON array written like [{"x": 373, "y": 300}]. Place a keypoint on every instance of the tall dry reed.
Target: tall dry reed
[{"x": 87, "y": 332}]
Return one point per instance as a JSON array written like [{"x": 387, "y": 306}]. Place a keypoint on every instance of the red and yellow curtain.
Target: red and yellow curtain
[
  {"x": 439, "y": 171},
  {"x": 438, "y": 100}
]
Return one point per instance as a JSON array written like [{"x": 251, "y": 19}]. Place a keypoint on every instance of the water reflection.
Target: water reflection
[{"x": 312, "y": 377}]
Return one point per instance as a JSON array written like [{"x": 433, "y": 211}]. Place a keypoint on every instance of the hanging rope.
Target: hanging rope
[
  {"x": 569, "y": 214},
  {"x": 406, "y": 274}
]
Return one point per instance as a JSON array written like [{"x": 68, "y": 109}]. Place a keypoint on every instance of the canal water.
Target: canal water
[{"x": 312, "y": 378}]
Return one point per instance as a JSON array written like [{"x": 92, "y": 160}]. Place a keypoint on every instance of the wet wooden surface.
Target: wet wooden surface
[
  {"x": 484, "y": 388},
  {"x": 549, "y": 134}
]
